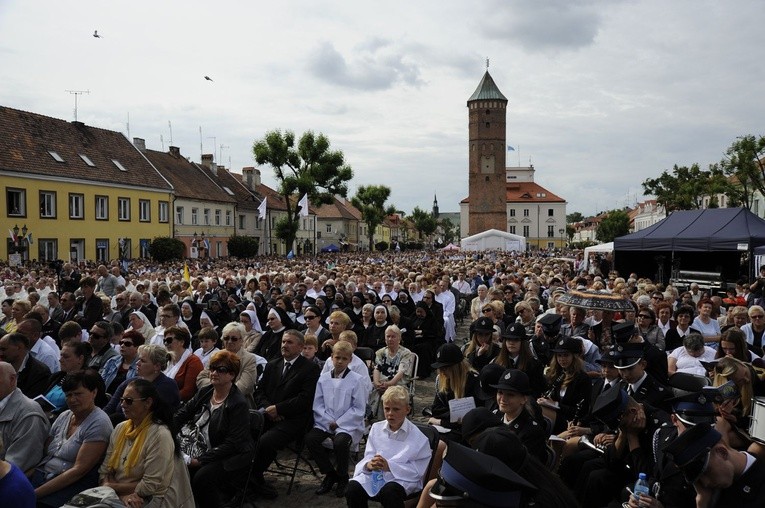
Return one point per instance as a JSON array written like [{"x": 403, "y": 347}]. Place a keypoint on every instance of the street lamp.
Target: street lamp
[
  {"x": 16, "y": 230},
  {"x": 562, "y": 241}
]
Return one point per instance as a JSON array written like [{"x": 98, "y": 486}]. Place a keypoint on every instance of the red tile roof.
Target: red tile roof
[
  {"x": 190, "y": 180},
  {"x": 528, "y": 192},
  {"x": 26, "y": 140}
]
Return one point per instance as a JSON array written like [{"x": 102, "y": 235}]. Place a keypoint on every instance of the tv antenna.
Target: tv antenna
[{"x": 76, "y": 93}]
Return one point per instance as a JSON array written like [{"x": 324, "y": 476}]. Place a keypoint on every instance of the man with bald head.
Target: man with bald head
[
  {"x": 38, "y": 348},
  {"x": 107, "y": 282},
  {"x": 32, "y": 375},
  {"x": 23, "y": 424}
]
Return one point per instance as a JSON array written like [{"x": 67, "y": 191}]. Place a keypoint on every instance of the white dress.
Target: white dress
[
  {"x": 340, "y": 400},
  {"x": 407, "y": 452}
]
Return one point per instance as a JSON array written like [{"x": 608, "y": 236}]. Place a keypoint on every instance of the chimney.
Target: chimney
[
  {"x": 175, "y": 152},
  {"x": 247, "y": 177},
  {"x": 207, "y": 160},
  {"x": 256, "y": 178},
  {"x": 140, "y": 143}
]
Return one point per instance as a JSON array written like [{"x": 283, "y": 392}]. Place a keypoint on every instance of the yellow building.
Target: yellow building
[{"x": 81, "y": 193}]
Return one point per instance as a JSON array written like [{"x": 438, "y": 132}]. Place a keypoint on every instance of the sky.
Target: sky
[{"x": 602, "y": 94}]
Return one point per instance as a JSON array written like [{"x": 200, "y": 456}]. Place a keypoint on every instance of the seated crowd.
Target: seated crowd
[{"x": 162, "y": 391}]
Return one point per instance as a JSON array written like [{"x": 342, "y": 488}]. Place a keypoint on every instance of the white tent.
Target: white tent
[
  {"x": 494, "y": 239},
  {"x": 603, "y": 247}
]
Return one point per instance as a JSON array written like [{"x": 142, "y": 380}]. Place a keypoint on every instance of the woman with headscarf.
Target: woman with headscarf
[
  {"x": 324, "y": 304},
  {"x": 233, "y": 308},
  {"x": 404, "y": 303},
  {"x": 270, "y": 344},
  {"x": 374, "y": 336},
  {"x": 190, "y": 316},
  {"x": 260, "y": 308},
  {"x": 141, "y": 324},
  {"x": 426, "y": 338},
  {"x": 252, "y": 327},
  {"x": 297, "y": 309}
]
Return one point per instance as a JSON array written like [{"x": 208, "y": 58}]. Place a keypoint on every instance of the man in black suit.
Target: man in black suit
[
  {"x": 33, "y": 375},
  {"x": 285, "y": 396},
  {"x": 68, "y": 307}
]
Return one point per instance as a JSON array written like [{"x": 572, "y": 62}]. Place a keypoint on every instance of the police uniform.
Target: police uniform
[
  {"x": 531, "y": 433},
  {"x": 691, "y": 450}
]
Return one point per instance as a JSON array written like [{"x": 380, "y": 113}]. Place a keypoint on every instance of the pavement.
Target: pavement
[{"x": 302, "y": 494}]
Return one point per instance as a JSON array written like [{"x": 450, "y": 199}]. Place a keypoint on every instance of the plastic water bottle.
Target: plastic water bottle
[
  {"x": 377, "y": 481},
  {"x": 641, "y": 486}
]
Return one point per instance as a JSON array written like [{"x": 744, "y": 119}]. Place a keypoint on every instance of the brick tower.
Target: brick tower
[{"x": 487, "y": 199}]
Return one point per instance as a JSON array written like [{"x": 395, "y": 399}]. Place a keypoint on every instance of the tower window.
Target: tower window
[
  {"x": 487, "y": 125},
  {"x": 488, "y": 112}
]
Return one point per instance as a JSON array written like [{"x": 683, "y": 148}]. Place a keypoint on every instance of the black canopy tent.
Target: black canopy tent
[{"x": 713, "y": 240}]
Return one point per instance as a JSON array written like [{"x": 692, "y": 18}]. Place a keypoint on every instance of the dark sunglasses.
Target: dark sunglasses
[
  {"x": 644, "y": 316},
  {"x": 229, "y": 338},
  {"x": 220, "y": 369},
  {"x": 126, "y": 343},
  {"x": 169, "y": 340},
  {"x": 128, "y": 401}
]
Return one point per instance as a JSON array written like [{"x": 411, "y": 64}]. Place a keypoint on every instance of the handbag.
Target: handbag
[{"x": 191, "y": 435}]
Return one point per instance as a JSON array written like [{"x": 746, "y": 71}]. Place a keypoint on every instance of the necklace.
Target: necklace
[{"x": 216, "y": 401}]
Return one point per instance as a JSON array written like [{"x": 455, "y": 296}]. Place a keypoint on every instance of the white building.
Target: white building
[{"x": 532, "y": 211}]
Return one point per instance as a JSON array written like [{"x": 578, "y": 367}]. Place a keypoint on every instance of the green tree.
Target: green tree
[
  {"x": 684, "y": 188},
  {"x": 243, "y": 246},
  {"x": 450, "y": 230},
  {"x": 310, "y": 167},
  {"x": 370, "y": 200},
  {"x": 423, "y": 222},
  {"x": 570, "y": 232},
  {"x": 616, "y": 223},
  {"x": 574, "y": 217},
  {"x": 164, "y": 249},
  {"x": 743, "y": 161}
]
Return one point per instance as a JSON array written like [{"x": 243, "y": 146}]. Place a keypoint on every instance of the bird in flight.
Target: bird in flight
[
  {"x": 208, "y": 78},
  {"x": 95, "y": 34}
]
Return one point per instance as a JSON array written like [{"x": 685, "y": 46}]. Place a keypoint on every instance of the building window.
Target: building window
[
  {"x": 228, "y": 217},
  {"x": 756, "y": 207},
  {"x": 48, "y": 249},
  {"x": 47, "y": 205},
  {"x": 512, "y": 212},
  {"x": 550, "y": 231},
  {"x": 217, "y": 217},
  {"x": 550, "y": 245},
  {"x": 525, "y": 212},
  {"x": 17, "y": 202},
  {"x": 512, "y": 230},
  {"x": 242, "y": 221},
  {"x": 526, "y": 231},
  {"x": 144, "y": 210},
  {"x": 207, "y": 216},
  {"x": 550, "y": 212},
  {"x": 102, "y": 250},
  {"x": 76, "y": 206},
  {"x": 102, "y": 207},
  {"x": 329, "y": 228},
  {"x": 194, "y": 216},
  {"x": 123, "y": 207},
  {"x": 164, "y": 211},
  {"x": 179, "y": 215}
]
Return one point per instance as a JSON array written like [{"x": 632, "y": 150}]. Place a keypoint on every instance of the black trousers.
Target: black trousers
[
  {"x": 273, "y": 440},
  {"x": 392, "y": 495},
  {"x": 341, "y": 446}
]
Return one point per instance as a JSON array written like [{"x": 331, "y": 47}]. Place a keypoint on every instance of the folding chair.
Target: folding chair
[
  {"x": 437, "y": 447},
  {"x": 367, "y": 354},
  {"x": 257, "y": 422},
  {"x": 297, "y": 447}
]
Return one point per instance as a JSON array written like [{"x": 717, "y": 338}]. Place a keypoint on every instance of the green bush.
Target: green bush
[
  {"x": 164, "y": 248},
  {"x": 243, "y": 246}
]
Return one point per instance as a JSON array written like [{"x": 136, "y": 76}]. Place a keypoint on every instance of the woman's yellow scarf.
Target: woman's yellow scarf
[{"x": 135, "y": 434}]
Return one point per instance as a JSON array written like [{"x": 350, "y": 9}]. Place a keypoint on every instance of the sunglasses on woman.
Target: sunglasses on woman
[
  {"x": 126, "y": 343},
  {"x": 128, "y": 401},
  {"x": 220, "y": 369}
]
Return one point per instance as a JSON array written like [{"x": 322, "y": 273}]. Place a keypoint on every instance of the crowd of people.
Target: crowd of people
[{"x": 177, "y": 385}]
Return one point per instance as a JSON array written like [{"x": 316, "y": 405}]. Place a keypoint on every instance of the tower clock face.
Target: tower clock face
[{"x": 487, "y": 164}]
